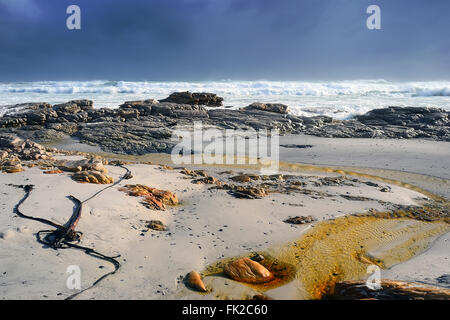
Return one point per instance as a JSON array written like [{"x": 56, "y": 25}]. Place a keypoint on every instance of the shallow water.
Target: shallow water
[{"x": 332, "y": 251}]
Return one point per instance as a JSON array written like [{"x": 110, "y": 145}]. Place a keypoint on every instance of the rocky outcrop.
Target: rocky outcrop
[
  {"x": 138, "y": 103},
  {"x": 11, "y": 164},
  {"x": 145, "y": 126},
  {"x": 247, "y": 270},
  {"x": 269, "y": 107},
  {"x": 206, "y": 99},
  {"x": 14, "y": 150}
]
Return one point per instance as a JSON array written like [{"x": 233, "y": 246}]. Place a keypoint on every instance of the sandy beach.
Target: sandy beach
[
  {"x": 208, "y": 225},
  {"x": 210, "y": 159},
  {"x": 94, "y": 205}
]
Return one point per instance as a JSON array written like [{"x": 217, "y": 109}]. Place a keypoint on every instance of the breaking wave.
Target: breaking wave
[{"x": 339, "y": 99}]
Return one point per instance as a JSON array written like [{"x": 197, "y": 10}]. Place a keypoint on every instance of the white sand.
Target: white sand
[{"x": 151, "y": 264}]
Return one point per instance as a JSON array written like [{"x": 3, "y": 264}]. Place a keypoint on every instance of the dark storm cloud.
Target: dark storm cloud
[{"x": 218, "y": 39}]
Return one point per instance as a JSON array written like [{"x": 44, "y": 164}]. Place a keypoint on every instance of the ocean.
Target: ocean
[{"x": 339, "y": 99}]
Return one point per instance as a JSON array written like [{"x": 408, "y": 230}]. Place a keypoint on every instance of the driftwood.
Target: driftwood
[{"x": 64, "y": 236}]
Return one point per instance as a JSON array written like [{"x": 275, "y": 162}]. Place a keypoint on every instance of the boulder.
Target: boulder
[
  {"x": 194, "y": 280},
  {"x": 269, "y": 107},
  {"x": 248, "y": 192},
  {"x": 80, "y": 165},
  {"x": 207, "y": 99},
  {"x": 11, "y": 164},
  {"x": 247, "y": 270},
  {"x": 91, "y": 176}
]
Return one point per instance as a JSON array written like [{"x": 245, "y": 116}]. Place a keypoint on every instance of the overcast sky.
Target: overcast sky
[{"x": 224, "y": 39}]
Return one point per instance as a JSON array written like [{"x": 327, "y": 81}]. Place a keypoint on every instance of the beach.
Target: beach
[{"x": 335, "y": 207}]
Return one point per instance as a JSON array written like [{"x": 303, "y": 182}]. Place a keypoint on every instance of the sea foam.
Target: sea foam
[{"x": 340, "y": 99}]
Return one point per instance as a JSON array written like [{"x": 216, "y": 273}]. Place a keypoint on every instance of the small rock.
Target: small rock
[
  {"x": 257, "y": 257},
  {"x": 299, "y": 219},
  {"x": 53, "y": 171},
  {"x": 243, "y": 178},
  {"x": 157, "y": 225},
  {"x": 249, "y": 271},
  {"x": 194, "y": 280},
  {"x": 153, "y": 198},
  {"x": 207, "y": 180},
  {"x": 248, "y": 192},
  {"x": 92, "y": 177}
]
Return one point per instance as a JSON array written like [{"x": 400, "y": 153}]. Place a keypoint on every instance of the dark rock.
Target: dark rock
[
  {"x": 248, "y": 192},
  {"x": 269, "y": 107},
  {"x": 296, "y": 146},
  {"x": 138, "y": 103},
  {"x": 207, "y": 99},
  {"x": 174, "y": 110},
  {"x": 11, "y": 141},
  {"x": 390, "y": 290},
  {"x": 156, "y": 225},
  {"x": 74, "y": 106},
  {"x": 139, "y": 127},
  {"x": 299, "y": 220}
]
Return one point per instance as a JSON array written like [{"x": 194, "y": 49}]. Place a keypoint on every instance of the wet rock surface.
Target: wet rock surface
[
  {"x": 390, "y": 290},
  {"x": 269, "y": 107},
  {"x": 92, "y": 176},
  {"x": 153, "y": 198},
  {"x": 247, "y": 270},
  {"x": 194, "y": 281},
  {"x": 146, "y": 126},
  {"x": 207, "y": 99}
]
